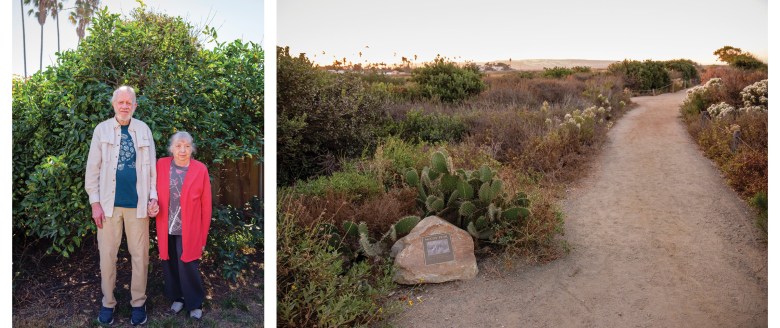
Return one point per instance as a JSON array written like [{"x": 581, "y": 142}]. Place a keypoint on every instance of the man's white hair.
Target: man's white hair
[{"x": 123, "y": 88}]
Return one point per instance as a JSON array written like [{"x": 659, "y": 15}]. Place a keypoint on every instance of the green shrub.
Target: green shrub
[
  {"x": 235, "y": 236},
  {"x": 394, "y": 156},
  {"x": 581, "y": 69},
  {"x": 432, "y": 128},
  {"x": 323, "y": 115},
  {"x": 315, "y": 287},
  {"x": 761, "y": 202},
  {"x": 216, "y": 95},
  {"x": 557, "y": 72},
  {"x": 688, "y": 69},
  {"x": 446, "y": 81},
  {"x": 645, "y": 75},
  {"x": 736, "y": 58}
]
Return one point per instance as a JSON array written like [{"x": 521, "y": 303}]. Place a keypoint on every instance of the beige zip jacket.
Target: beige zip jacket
[{"x": 100, "y": 179}]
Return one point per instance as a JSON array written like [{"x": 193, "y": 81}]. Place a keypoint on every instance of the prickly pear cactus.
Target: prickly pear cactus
[
  {"x": 380, "y": 247},
  {"x": 473, "y": 200}
]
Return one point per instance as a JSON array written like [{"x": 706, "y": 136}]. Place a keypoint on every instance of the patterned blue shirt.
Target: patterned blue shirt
[{"x": 126, "y": 193}]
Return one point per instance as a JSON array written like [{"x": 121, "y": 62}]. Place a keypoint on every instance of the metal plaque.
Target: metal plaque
[{"x": 438, "y": 249}]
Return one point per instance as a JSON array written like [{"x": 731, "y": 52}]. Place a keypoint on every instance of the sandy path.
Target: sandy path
[{"x": 658, "y": 240}]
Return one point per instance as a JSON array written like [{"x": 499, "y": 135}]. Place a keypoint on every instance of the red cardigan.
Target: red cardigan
[{"x": 195, "y": 209}]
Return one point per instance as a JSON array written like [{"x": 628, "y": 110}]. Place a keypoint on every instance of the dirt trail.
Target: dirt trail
[{"x": 658, "y": 240}]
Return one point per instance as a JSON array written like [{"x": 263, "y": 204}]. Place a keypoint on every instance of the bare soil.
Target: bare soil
[
  {"x": 657, "y": 239},
  {"x": 50, "y": 291}
]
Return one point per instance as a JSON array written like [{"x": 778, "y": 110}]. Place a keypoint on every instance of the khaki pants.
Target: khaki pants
[{"x": 109, "y": 238}]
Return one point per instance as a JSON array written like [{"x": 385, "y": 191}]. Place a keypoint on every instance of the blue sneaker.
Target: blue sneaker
[
  {"x": 138, "y": 316},
  {"x": 106, "y": 315}
]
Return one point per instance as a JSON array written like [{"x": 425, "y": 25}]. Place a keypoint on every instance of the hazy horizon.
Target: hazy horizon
[{"x": 498, "y": 30}]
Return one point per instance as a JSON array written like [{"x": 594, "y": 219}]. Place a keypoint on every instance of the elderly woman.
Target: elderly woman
[{"x": 183, "y": 218}]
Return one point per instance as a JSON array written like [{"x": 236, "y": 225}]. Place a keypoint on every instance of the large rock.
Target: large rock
[{"x": 435, "y": 251}]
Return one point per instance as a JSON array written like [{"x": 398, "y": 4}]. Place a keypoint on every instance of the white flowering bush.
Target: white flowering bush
[
  {"x": 545, "y": 107},
  {"x": 701, "y": 96},
  {"x": 720, "y": 110},
  {"x": 583, "y": 123},
  {"x": 755, "y": 97},
  {"x": 702, "y": 90}
]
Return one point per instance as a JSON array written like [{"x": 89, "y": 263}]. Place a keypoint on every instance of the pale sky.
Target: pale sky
[
  {"x": 233, "y": 19},
  {"x": 498, "y": 30}
]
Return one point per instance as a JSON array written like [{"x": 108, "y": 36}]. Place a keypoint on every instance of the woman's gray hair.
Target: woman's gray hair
[
  {"x": 178, "y": 136},
  {"x": 123, "y": 88}
]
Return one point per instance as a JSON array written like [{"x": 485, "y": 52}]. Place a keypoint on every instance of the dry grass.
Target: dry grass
[
  {"x": 378, "y": 212},
  {"x": 747, "y": 168},
  {"x": 734, "y": 80}
]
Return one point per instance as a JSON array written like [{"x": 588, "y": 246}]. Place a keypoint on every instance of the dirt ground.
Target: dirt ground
[
  {"x": 50, "y": 291},
  {"x": 657, "y": 239}
]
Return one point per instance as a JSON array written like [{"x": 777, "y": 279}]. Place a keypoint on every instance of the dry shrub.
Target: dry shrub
[
  {"x": 748, "y": 172},
  {"x": 755, "y": 129},
  {"x": 378, "y": 212},
  {"x": 381, "y": 212},
  {"x": 515, "y": 91},
  {"x": 507, "y": 130},
  {"x": 471, "y": 155},
  {"x": 734, "y": 80},
  {"x": 747, "y": 168}
]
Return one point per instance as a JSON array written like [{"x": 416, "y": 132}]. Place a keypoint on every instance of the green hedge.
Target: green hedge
[
  {"x": 446, "y": 81},
  {"x": 216, "y": 95},
  {"x": 323, "y": 116}
]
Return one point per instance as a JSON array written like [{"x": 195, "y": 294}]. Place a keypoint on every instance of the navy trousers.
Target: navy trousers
[{"x": 182, "y": 280}]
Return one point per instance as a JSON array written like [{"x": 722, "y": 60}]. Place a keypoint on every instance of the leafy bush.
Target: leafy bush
[
  {"x": 738, "y": 59},
  {"x": 761, "y": 202},
  {"x": 216, "y": 95},
  {"x": 393, "y": 157},
  {"x": 321, "y": 116},
  {"x": 315, "y": 286},
  {"x": 686, "y": 67},
  {"x": 557, "y": 72},
  {"x": 235, "y": 236},
  {"x": 432, "y": 128},
  {"x": 581, "y": 69},
  {"x": 448, "y": 82},
  {"x": 645, "y": 75}
]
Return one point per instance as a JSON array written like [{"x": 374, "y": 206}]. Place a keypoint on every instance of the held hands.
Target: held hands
[
  {"x": 98, "y": 215},
  {"x": 153, "y": 208}
]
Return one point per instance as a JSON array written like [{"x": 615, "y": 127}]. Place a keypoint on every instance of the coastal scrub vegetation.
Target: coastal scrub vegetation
[
  {"x": 492, "y": 157},
  {"x": 728, "y": 116}
]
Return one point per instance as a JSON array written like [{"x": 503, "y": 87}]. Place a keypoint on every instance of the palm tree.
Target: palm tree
[
  {"x": 56, "y": 7},
  {"x": 44, "y": 7},
  {"x": 24, "y": 40},
  {"x": 81, "y": 16}
]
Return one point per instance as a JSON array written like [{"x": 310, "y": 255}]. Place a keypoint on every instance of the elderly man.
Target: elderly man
[{"x": 121, "y": 182}]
